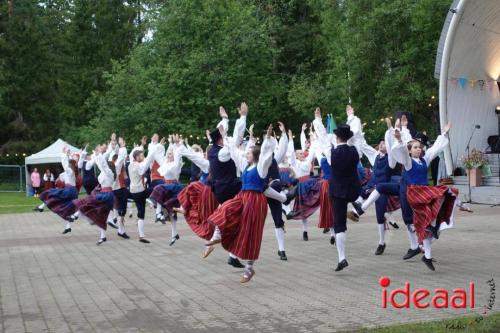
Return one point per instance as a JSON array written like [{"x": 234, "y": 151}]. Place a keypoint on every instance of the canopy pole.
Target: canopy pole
[{"x": 443, "y": 79}]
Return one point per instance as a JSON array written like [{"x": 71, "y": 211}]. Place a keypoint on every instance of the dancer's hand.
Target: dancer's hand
[
  {"x": 144, "y": 140},
  {"x": 304, "y": 127},
  {"x": 397, "y": 125},
  {"x": 163, "y": 141},
  {"x": 404, "y": 121},
  {"x": 121, "y": 142},
  {"x": 447, "y": 128},
  {"x": 250, "y": 131},
  {"x": 317, "y": 112},
  {"x": 282, "y": 128},
  {"x": 397, "y": 135},
  {"x": 349, "y": 110},
  {"x": 243, "y": 109},
  {"x": 222, "y": 112},
  {"x": 207, "y": 135},
  {"x": 222, "y": 131},
  {"x": 290, "y": 134},
  {"x": 269, "y": 132}
]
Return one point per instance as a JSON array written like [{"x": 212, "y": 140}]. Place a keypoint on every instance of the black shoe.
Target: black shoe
[
  {"x": 115, "y": 220},
  {"x": 394, "y": 225},
  {"x": 411, "y": 253},
  {"x": 357, "y": 207},
  {"x": 102, "y": 240},
  {"x": 353, "y": 216},
  {"x": 305, "y": 236},
  {"x": 428, "y": 263},
  {"x": 66, "y": 231},
  {"x": 36, "y": 209},
  {"x": 160, "y": 218},
  {"x": 235, "y": 263},
  {"x": 144, "y": 240},
  {"x": 72, "y": 218},
  {"x": 282, "y": 255},
  {"x": 326, "y": 230},
  {"x": 380, "y": 249},
  {"x": 434, "y": 230},
  {"x": 332, "y": 240},
  {"x": 291, "y": 215},
  {"x": 290, "y": 195},
  {"x": 124, "y": 235},
  {"x": 112, "y": 225},
  {"x": 172, "y": 242},
  {"x": 343, "y": 264}
]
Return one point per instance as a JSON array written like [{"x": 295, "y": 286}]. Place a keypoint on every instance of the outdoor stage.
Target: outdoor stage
[{"x": 55, "y": 283}]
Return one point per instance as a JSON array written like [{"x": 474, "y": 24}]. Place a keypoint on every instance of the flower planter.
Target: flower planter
[{"x": 474, "y": 176}]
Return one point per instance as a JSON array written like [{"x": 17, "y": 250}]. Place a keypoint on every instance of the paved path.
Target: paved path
[{"x": 55, "y": 283}]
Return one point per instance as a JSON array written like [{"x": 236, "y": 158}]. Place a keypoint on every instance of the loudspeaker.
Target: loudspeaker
[{"x": 494, "y": 143}]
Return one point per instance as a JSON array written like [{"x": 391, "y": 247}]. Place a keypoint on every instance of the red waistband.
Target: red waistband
[
  {"x": 171, "y": 181},
  {"x": 106, "y": 189},
  {"x": 304, "y": 178}
]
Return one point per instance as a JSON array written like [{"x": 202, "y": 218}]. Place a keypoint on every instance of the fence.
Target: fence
[{"x": 12, "y": 178}]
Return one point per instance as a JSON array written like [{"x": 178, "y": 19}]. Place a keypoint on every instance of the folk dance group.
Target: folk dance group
[{"x": 238, "y": 180}]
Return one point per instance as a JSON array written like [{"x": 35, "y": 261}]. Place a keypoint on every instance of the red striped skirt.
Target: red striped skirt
[
  {"x": 325, "y": 206},
  {"x": 430, "y": 203},
  {"x": 199, "y": 203},
  {"x": 241, "y": 223},
  {"x": 393, "y": 203}
]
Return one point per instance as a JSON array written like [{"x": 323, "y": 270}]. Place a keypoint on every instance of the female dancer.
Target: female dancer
[
  {"x": 165, "y": 195},
  {"x": 60, "y": 200},
  {"x": 427, "y": 206},
  {"x": 241, "y": 219},
  {"x": 95, "y": 207}
]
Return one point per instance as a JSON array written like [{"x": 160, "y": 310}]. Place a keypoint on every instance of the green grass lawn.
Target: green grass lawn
[
  {"x": 484, "y": 324},
  {"x": 17, "y": 203}
]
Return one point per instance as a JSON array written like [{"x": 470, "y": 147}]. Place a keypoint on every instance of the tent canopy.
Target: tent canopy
[
  {"x": 469, "y": 51},
  {"x": 51, "y": 154}
]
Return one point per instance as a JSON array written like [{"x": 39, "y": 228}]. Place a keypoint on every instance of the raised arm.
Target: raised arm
[
  {"x": 102, "y": 164},
  {"x": 241, "y": 123},
  {"x": 196, "y": 158},
  {"x": 122, "y": 155},
  {"x": 146, "y": 164},
  {"x": 239, "y": 160},
  {"x": 303, "y": 137},
  {"x": 400, "y": 151},
  {"x": 438, "y": 146},
  {"x": 266, "y": 153},
  {"x": 282, "y": 145},
  {"x": 83, "y": 156}
]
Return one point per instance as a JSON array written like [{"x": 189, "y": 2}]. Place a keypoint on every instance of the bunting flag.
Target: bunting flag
[
  {"x": 483, "y": 84},
  {"x": 327, "y": 123},
  {"x": 472, "y": 83},
  {"x": 333, "y": 124},
  {"x": 462, "y": 81}
]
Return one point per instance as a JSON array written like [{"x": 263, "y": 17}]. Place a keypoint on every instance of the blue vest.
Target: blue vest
[
  {"x": 417, "y": 175},
  {"x": 88, "y": 176},
  {"x": 381, "y": 172},
  {"x": 204, "y": 178},
  {"x": 325, "y": 168},
  {"x": 252, "y": 181}
]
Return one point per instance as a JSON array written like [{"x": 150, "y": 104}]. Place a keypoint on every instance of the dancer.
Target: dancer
[
  {"x": 241, "y": 219},
  {"x": 156, "y": 177},
  {"x": 344, "y": 187},
  {"x": 136, "y": 169},
  {"x": 426, "y": 207},
  {"x": 60, "y": 200},
  {"x": 165, "y": 195},
  {"x": 120, "y": 190},
  {"x": 358, "y": 138},
  {"x": 95, "y": 207},
  {"x": 86, "y": 166}
]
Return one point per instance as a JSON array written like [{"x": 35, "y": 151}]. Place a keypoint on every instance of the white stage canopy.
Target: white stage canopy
[
  {"x": 468, "y": 68},
  {"x": 51, "y": 154}
]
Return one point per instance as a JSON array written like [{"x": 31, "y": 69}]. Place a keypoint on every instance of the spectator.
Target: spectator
[
  {"x": 35, "y": 182},
  {"x": 48, "y": 180}
]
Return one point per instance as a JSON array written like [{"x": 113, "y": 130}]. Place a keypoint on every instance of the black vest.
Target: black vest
[
  {"x": 88, "y": 176},
  {"x": 225, "y": 184}
]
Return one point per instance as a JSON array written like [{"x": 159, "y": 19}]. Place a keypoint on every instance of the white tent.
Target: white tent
[
  {"x": 49, "y": 155},
  {"x": 468, "y": 66}
]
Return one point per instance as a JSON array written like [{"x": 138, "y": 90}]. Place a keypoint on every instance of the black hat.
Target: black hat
[
  {"x": 422, "y": 138},
  {"x": 215, "y": 135},
  {"x": 344, "y": 132}
]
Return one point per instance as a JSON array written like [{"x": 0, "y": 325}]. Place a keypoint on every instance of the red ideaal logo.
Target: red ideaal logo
[{"x": 440, "y": 299}]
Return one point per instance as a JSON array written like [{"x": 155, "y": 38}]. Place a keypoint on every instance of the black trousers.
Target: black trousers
[
  {"x": 140, "y": 202},
  {"x": 339, "y": 214},
  {"x": 276, "y": 207},
  {"x": 121, "y": 196},
  {"x": 225, "y": 192}
]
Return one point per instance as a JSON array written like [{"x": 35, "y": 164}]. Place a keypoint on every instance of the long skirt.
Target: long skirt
[
  {"x": 325, "y": 206},
  {"x": 241, "y": 223},
  {"x": 307, "y": 200},
  {"x": 166, "y": 195},
  {"x": 95, "y": 207},
  {"x": 431, "y": 203},
  {"x": 198, "y": 201},
  {"x": 60, "y": 200}
]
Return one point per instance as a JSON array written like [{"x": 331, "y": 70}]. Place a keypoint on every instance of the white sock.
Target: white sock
[
  {"x": 371, "y": 199},
  {"x": 273, "y": 194},
  {"x": 174, "y": 228},
  {"x": 115, "y": 213},
  {"x": 121, "y": 226},
  {"x": 42, "y": 206},
  {"x": 412, "y": 236},
  {"x": 332, "y": 232},
  {"x": 76, "y": 214},
  {"x": 286, "y": 208},
  {"x": 158, "y": 209},
  {"x": 68, "y": 225},
  {"x": 110, "y": 216},
  {"x": 249, "y": 265},
  {"x": 232, "y": 256},
  {"x": 280, "y": 237},
  {"x": 428, "y": 247},
  {"x": 340, "y": 241},
  {"x": 381, "y": 233},
  {"x": 216, "y": 235},
  {"x": 304, "y": 225},
  {"x": 360, "y": 200},
  {"x": 140, "y": 227},
  {"x": 102, "y": 233}
]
